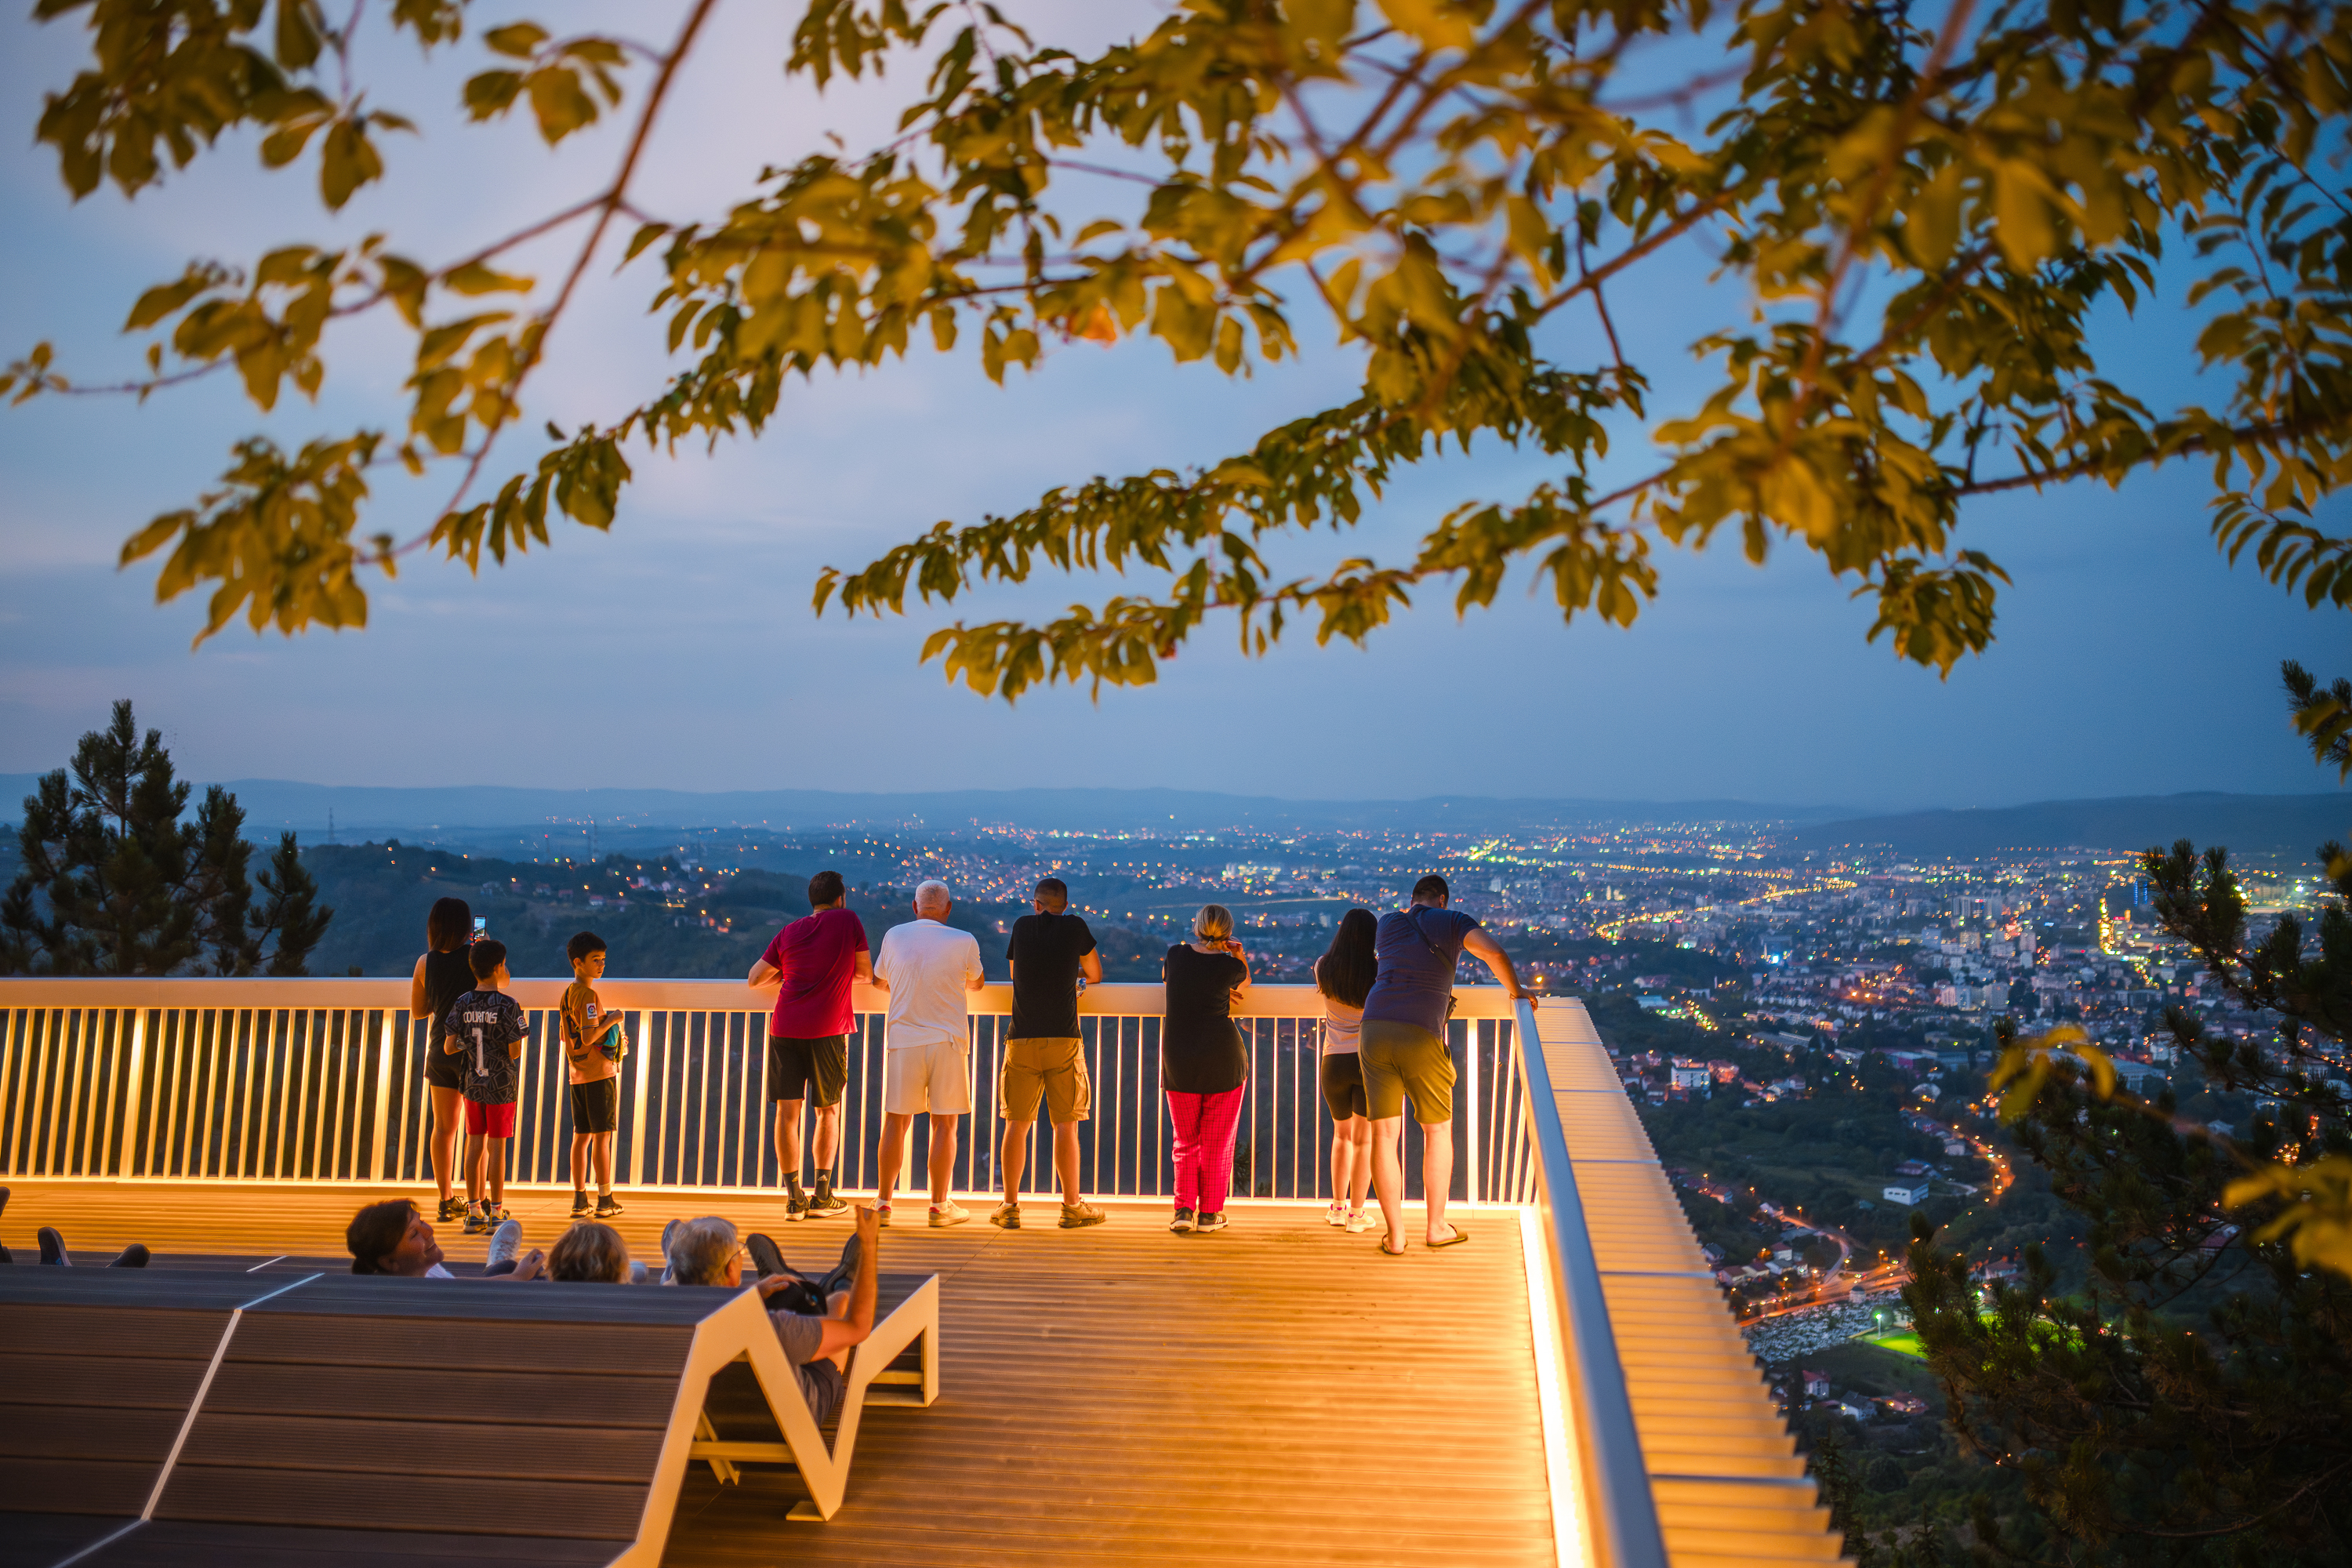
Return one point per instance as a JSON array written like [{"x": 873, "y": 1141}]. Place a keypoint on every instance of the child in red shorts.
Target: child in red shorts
[{"x": 486, "y": 1028}]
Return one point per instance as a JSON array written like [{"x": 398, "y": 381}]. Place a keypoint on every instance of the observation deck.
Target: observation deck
[{"x": 1566, "y": 1388}]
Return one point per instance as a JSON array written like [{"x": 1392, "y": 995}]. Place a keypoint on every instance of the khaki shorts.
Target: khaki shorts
[
  {"x": 1051, "y": 1066},
  {"x": 1405, "y": 1061},
  {"x": 934, "y": 1079}
]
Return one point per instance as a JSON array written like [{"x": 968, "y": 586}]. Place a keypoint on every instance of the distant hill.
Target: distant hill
[
  {"x": 2291, "y": 826},
  {"x": 273, "y": 805}
]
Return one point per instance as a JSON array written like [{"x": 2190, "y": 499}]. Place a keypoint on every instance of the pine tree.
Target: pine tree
[
  {"x": 224, "y": 889},
  {"x": 2189, "y": 1406},
  {"x": 291, "y": 910},
  {"x": 114, "y": 882}
]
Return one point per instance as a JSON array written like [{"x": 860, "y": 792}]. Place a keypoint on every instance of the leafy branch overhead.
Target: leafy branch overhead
[{"x": 1914, "y": 226}]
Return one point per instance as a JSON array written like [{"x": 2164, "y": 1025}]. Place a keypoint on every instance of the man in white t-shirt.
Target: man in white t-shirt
[{"x": 930, "y": 969}]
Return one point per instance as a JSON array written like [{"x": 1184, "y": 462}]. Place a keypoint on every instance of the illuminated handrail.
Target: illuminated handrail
[
  {"x": 319, "y": 1080},
  {"x": 1620, "y": 1514}
]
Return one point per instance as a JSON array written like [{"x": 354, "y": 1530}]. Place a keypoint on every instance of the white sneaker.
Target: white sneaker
[
  {"x": 1358, "y": 1223},
  {"x": 947, "y": 1214},
  {"x": 1336, "y": 1213},
  {"x": 506, "y": 1241}
]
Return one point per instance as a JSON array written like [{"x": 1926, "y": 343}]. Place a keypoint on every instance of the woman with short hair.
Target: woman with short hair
[
  {"x": 1203, "y": 1069},
  {"x": 1343, "y": 976},
  {"x": 442, "y": 976}
]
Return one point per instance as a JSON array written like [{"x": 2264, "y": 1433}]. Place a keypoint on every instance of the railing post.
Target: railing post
[
  {"x": 1470, "y": 1168},
  {"x": 383, "y": 1097}
]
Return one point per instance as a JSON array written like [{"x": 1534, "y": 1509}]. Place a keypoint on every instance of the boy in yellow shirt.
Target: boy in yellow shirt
[{"x": 594, "y": 1043}]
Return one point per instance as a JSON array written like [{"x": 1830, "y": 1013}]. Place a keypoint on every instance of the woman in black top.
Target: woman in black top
[
  {"x": 442, "y": 976},
  {"x": 1203, "y": 1067}
]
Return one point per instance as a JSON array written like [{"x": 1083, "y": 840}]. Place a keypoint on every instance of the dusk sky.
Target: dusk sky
[{"x": 680, "y": 651}]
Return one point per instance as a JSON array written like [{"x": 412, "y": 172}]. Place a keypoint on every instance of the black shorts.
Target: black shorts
[
  {"x": 596, "y": 1106},
  {"x": 816, "y": 1070},
  {"x": 441, "y": 1069},
  {"x": 1343, "y": 1085}
]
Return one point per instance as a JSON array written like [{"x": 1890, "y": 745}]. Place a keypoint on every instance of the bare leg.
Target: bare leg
[
  {"x": 474, "y": 1168},
  {"x": 1436, "y": 1174},
  {"x": 497, "y": 1171},
  {"x": 580, "y": 1142},
  {"x": 1387, "y": 1175},
  {"x": 892, "y": 1158},
  {"x": 1359, "y": 1187},
  {"x": 828, "y": 1137},
  {"x": 788, "y": 1140},
  {"x": 1013, "y": 1156},
  {"x": 446, "y": 1119},
  {"x": 604, "y": 1162},
  {"x": 1065, "y": 1159},
  {"x": 1343, "y": 1160},
  {"x": 943, "y": 1153}
]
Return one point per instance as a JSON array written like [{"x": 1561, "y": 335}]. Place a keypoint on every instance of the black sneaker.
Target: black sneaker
[
  {"x": 579, "y": 1205},
  {"x": 796, "y": 1204},
  {"x": 477, "y": 1222},
  {"x": 608, "y": 1206},
  {"x": 1183, "y": 1222},
  {"x": 825, "y": 1203},
  {"x": 766, "y": 1256},
  {"x": 451, "y": 1209},
  {"x": 1212, "y": 1222}
]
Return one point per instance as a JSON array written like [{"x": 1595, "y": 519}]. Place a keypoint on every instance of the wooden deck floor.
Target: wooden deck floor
[{"x": 1276, "y": 1392}]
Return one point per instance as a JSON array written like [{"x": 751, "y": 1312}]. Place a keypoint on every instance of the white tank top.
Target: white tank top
[{"x": 1343, "y": 1028}]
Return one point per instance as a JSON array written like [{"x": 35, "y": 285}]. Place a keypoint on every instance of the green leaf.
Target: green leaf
[
  {"x": 517, "y": 40},
  {"x": 476, "y": 277}
]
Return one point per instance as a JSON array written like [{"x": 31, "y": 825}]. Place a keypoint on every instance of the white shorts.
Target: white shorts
[{"x": 934, "y": 1077}]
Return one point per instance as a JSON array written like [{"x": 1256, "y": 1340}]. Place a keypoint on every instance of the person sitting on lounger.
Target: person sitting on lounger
[
  {"x": 394, "y": 1238},
  {"x": 589, "y": 1253},
  {"x": 711, "y": 1252}
]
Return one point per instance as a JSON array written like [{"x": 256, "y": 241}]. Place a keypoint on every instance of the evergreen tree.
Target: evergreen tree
[
  {"x": 2189, "y": 1406},
  {"x": 224, "y": 889},
  {"x": 291, "y": 910},
  {"x": 115, "y": 883}
]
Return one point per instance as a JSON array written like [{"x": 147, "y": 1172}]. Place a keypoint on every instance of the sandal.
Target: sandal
[
  {"x": 1456, "y": 1239},
  {"x": 1386, "y": 1251}
]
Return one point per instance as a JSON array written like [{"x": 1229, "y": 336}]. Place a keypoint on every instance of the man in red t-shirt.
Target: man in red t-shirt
[{"x": 812, "y": 963}]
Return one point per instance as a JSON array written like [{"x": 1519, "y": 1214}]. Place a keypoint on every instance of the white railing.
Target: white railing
[{"x": 319, "y": 1080}]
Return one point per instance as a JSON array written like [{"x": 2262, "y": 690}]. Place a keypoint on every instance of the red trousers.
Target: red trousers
[{"x": 1205, "y": 1127}]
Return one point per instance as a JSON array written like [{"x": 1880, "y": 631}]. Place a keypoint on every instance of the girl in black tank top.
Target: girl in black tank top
[{"x": 447, "y": 977}]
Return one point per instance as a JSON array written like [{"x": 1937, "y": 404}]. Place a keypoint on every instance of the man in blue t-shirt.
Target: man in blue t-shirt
[{"x": 1404, "y": 1050}]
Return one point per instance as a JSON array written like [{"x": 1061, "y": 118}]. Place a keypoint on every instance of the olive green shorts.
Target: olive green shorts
[{"x": 1405, "y": 1061}]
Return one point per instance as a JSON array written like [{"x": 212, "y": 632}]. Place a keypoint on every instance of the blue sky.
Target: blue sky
[{"x": 679, "y": 651}]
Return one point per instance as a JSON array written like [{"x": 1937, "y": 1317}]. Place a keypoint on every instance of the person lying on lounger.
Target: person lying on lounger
[
  {"x": 711, "y": 1252},
  {"x": 394, "y": 1237},
  {"x": 54, "y": 1253}
]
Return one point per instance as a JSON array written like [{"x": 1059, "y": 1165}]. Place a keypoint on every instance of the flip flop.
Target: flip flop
[
  {"x": 1400, "y": 1252},
  {"x": 1456, "y": 1239}
]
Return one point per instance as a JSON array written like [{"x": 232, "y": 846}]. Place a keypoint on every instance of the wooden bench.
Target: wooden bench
[{"x": 159, "y": 1417}]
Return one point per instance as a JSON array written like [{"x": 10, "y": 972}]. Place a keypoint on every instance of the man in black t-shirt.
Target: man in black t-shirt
[{"x": 1050, "y": 950}]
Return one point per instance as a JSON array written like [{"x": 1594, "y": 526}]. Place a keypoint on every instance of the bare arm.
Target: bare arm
[
  {"x": 527, "y": 1267},
  {"x": 856, "y": 1320},
  {"x": 1490, "y": 953},
  {"x": 1090, "y": 965},
  {"x": 419, "y": 1004},
  {"x": 865, "y": 967},
  {"x": 1235, "y": 949},
  {"x": 765, "y": 976},
  {"x": 975, "y": 978}
]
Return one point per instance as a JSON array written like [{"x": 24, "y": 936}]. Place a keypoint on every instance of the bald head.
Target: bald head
[{"x": 932, "y": 899}]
